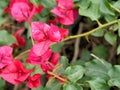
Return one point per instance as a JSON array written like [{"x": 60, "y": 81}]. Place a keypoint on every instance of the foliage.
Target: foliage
[{"x": 47, "y": 23}]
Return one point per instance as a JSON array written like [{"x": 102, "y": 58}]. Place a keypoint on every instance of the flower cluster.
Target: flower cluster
[
  {"x": 20, "y": 40},
  {"x": 12, "y": 70},
  {"x": 64, "y": 12},
  {"x": 23, "y": 10},
  {"x": 43, "y": 35}
]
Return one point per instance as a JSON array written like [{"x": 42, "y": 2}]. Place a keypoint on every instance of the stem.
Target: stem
[
  {"x": 58, "y": 77},
  {"x": 91, "y": 31},
  {"x": 57, "y": 67},
  {"x": 83, "y": 84},
  {"x": 29, "y": 25},
  {"x": 21, "y": 54},
  {"x": 99, "y": 60},
  {"x": 99, "y": 23},
  {"x": 114, "y": 8}
]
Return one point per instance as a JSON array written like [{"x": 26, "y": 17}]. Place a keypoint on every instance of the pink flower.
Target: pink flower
[
  {"x": 42, "y": 32},
  {"x": 23, "y": 10},
  {"x": 39, "y": 31},
  {"x": 64, "y": 33},
  {"x": 34, "y": 81},
  {"x": 49, "y": 66},
  {"x": 15, "y": 73},
  {"x": 6, "y": 57},
  {"x": 55, "y": 59},
  {"x": 20, "y": 40},
  {"x": 39, "y": 53},
  {"x": 57, "y": 34},
  {"x": 54, "y": 33},
  {"x": 64, "y": 11}
]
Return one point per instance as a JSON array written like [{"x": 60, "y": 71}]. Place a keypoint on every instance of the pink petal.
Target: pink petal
[
  {"x": 40, "y": 48},
  {"x": 39, "y": 53},
  {"x": 39, "y": 30},
  {"x": 65, "y": 3},
  {"x": 5, "y": 58},
  {"x": 55, "y": 58},
  {"x": 15, "y": 73},
  {"x": 34, "y": 81},
  {"x": 64, "y": 33},
  {"x": 68, "y": 19},
  {"x": 35, "y": 10},
  {"x": 54, "y": 33},
  {"x": 20, "y": 40},
  {"x": 20, "y": 11},
  {"x": 58, "y": 11},
  {"x": 34, "y": 59},
  {"x": 23, "y": 10}
]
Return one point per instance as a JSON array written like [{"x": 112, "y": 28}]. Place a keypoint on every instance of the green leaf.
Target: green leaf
[
  {"x": 98, "y": 84},
  {"x": 118, "y": 50},
  {"x": 38, "y": 70},
  {"x": 75, "y": 0},
  {"x": 84, "y": 4},
  {"x": 29, "y": 66},
  {"x": 96, "y": 68},
  {"x": 56, "y": 85},
  {"x": 71, "y": 87},
  {"x": 119, "y": 28},
  {"x": 114, "y": 74},
  {"x": 79, "y": 62},
  {"x": 98, "y": 33},
  {"x": 114, "y": 82},
  {"x": 49, "y": 4},
  {"x": 92, "y": 12},
  {"x": 85, "y": 55},
  {"x": 117, "y": 4},
  {"x": 2, "y": 84},
  {"x": 100, "y": 51},
  {"x": 3, "y": 3},
  {"x": 110, "y": 18},
  {"x": 40, "y": 88},
  {"x": 57, "y": 47},
  {"x": 105, "y": 8},
  {"x": 6, "y": 38},
  {"x": 28, "y": 43},
  {"x": 115, "y": 27},
  {"x": 35, "y": 2},
  {"x": 110, "y": 38},
  {"x": 75, "y": 72},
  {"x": 43, "y": 16},
  {"x": 2, "y": 20},
  {"x": 64, "y": 61},
  {"x": 94, "y": 9}
]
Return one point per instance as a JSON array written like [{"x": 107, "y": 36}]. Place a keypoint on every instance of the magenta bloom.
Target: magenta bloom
[
  {"x": 39, "y": 53},
  {"x": 64, "y": 12},
  {"x": 34, "y": 81},
  {"x": 20, "y": 40},
  {"x": 6, "y": 57},
  {"x": 15, "y": 73},
  {"x": 39, "y": 31},
  {"x": 54, "y": 33},
  {"x": 52, "y": 63},
  {"x": 57, "y": 34},
  {"x": 42, "y": 32},
  {"x": 23, "y": 10}
]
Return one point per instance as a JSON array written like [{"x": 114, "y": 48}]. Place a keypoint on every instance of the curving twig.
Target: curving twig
[{"x": 77, "y": 42}]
